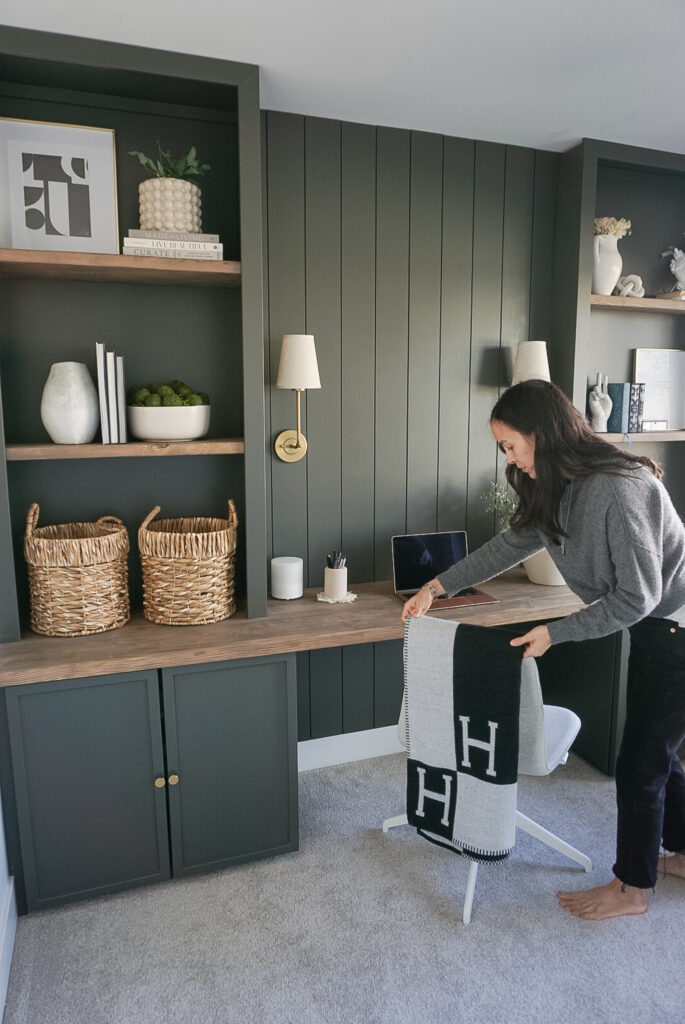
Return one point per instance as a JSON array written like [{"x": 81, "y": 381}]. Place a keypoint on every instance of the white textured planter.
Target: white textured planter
[
  {"x": 540, "y": 568},
  {"x": 69, "y": 407},
  {"x": 169, "y": 204},
  {"x": 607, "y": 264}
]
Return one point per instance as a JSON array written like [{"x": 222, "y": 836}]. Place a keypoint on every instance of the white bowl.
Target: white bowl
[{"x": 168, "y": 423}]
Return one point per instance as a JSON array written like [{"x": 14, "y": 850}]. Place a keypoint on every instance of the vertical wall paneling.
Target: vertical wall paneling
[
  {"x": 325, "y": 692},
  {"x": 455, "y": 332},
  {"x": 418, "y": 262},
  {"x": 485, "y": 328},
  {"x": 425, "y": 280},
  {"x": 358, "y": 370},
  {"x": 357, "y": 675},
  {"x": 516, "y": 255},
  {"x": 322, "y": 262},
  {"x": 542, "y": 253},
  {"x": 388, "y": 683},
  {"x": 268, "y": 432},
  {"x": 287, "y": 313},
  {"x": 392, "y": 289}
]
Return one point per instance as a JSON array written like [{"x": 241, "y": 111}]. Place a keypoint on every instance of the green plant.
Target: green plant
[
  {"x": 500, "y": 499},
  {"x": 166, "y": 166},
  {"x": 175, "y": 393}
]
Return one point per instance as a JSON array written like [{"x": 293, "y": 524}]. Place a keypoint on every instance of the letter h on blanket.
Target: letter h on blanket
[{"x": 472, "y": 720}]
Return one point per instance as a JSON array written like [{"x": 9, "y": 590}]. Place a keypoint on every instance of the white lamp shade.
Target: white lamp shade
[
  {"x": 531, "y": 361},
  {"x": 298, "y": 368}
]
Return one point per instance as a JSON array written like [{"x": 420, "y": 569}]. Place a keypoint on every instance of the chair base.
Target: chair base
[{"x": 526, "y": 825}]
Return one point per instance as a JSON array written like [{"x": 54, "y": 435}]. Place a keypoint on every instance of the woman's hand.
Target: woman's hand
[
  {"x": 420, "y": 602},
  {"x": 537, "y": 641}
]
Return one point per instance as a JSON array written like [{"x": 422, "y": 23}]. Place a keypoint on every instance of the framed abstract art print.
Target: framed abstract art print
[{"x": 57, "y": 187}]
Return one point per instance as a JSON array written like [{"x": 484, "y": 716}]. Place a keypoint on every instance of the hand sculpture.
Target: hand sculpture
[
  {"x": 600, "y": 404},
  {"x": 678, "y": 268},
  {"x": 632, "y": 285}
]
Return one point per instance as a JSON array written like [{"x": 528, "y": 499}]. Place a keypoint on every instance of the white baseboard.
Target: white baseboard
[
  {"x": 8, "y": 928},
  {"x": 350, "y": 746}
]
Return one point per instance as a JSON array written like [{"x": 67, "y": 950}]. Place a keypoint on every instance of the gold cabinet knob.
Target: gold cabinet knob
[
  {"x": 173, "y": 780},
  {"x": 160, "y": 783}
]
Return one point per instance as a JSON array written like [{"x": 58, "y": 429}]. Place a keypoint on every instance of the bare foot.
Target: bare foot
[
  {"x": 605, "y": 901},
  {"x": 672, "y": 864}
]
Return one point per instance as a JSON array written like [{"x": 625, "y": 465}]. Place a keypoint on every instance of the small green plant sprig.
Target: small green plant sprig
[
  {"x": 165, "y": 166},
  {"x": 500, "y": 499},
  {"x": 175, "y": 393}
]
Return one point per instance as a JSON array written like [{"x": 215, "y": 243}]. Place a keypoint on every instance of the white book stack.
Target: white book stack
[
  {"x": 112, "y": 394},
  {"x": 172, "y": 244}
]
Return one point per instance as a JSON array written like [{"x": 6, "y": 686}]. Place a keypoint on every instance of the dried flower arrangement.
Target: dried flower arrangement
[
  {"x": 612, "y": 226},
  {"x": 500, "y": 499}
]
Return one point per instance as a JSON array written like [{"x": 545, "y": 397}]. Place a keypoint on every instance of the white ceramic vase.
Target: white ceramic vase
[
  {"x": 69, "y": 406},
  {"x": 169, "y": 204},
  {"x": 607, "y": 264},
  {"x": 540, "y": 568}
]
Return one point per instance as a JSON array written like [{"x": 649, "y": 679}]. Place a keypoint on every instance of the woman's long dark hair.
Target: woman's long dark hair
[{"x": 565, "y": 449}]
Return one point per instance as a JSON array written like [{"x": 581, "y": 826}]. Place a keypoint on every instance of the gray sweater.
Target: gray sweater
[{"x": 624, "y": 555}]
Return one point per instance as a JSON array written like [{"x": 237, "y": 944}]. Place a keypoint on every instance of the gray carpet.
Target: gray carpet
[{"x": 365, "y": 928}]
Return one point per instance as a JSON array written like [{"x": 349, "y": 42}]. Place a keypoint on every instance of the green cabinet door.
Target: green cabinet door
[
  {"x": 231, "y": 742},
  {"x": 85, "y": 755}
]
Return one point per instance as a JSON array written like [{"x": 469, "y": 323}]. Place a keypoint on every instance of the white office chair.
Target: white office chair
[{"x": 546, "y": 733}]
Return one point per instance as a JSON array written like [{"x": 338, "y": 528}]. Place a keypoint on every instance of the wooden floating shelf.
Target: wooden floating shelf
[
  {"x": 646, "y": 436},
  {"x": 132, "y": 450},
  {"x": 638, "y": 305},
  {"x": 87, "y": 266}
]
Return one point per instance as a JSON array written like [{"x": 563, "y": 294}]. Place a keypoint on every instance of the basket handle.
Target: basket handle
[
  {"x": 148, "y": 518},
  {"x": 106, "y": 520},
  {"x": 232, "y": 514},
  {"x": 32, "y": 518}
]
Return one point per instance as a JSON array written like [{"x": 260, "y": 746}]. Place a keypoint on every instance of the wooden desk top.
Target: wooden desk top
[{"x": 301, "y": 625}]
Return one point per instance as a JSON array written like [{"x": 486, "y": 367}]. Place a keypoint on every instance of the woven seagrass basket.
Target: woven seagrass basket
[
  {"x": 78, "y": 575},
  {"x": 188, "y": 568}
]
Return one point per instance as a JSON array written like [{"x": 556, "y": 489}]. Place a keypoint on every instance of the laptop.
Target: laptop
[{"x": 419, "y": 557}]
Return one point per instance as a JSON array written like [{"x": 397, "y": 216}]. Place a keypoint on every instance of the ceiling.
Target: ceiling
[{"x": 538, "y": 73}]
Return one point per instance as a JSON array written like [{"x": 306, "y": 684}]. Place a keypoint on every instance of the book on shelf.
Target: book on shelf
[
  {"x": 172, "y": 236},
  {"x": 121, "y": 398},
  {"x": 102, "y": 391},
  {"x": 169, "y": 245},
  {"x": 184, "y": 254},
  {"x": 112, "y": 407},
  {"x": 636, "y": 408},
  {"x": 619, "y": 393}
]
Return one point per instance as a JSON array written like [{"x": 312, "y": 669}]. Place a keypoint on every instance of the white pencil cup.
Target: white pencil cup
[
  {"x": 286, "y": 577},
  {"x": 335, "y": 583}
]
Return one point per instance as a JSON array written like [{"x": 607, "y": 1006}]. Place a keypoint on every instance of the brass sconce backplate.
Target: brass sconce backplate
[{"x": 287, "y": 448}]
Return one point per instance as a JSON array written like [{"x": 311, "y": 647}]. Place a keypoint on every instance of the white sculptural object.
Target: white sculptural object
[
  {"x": 631, "y": 285},
  {"x": 678, "y": 268},
  {"x": 600, "y": 404}
]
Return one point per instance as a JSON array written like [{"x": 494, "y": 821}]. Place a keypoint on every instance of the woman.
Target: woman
[{"x": 611, "y": 528}]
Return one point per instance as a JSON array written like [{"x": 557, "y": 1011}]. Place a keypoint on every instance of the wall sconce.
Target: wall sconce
[
  {"x": 297, "y": 370},
  {"x": 531, "y": 362}
]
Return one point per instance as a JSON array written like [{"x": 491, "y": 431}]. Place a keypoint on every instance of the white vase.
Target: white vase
[
  {"x": 69, "y": 406},
  {"x": 540, "y": 568},
  {"x": 169, "y": 204},
  {"x": 607, "y": 264}
]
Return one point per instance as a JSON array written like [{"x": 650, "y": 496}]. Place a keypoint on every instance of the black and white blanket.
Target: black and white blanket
[{"x": 462, "y": 694}]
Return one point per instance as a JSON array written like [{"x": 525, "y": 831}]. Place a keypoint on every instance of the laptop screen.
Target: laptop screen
[{"x": 418, "y": 557}]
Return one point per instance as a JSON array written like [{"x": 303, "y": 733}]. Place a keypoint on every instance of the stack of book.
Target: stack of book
[
  {"x": 179, "y": 244},
  {"x": 628, "y": 401},
  {"x": 112, "y": 394}
]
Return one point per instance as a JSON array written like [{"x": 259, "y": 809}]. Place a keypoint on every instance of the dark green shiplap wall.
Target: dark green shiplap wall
[{"x": 418, "y": 262}]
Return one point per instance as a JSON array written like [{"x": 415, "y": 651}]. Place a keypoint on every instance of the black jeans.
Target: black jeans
[{"x": 650, "y": 782}]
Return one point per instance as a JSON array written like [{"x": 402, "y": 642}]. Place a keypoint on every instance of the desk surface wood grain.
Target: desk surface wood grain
[{"x": 300, "y": 625}]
